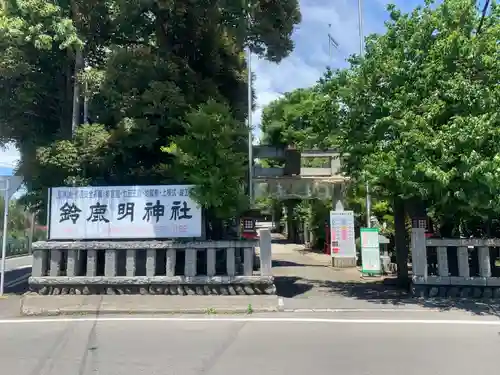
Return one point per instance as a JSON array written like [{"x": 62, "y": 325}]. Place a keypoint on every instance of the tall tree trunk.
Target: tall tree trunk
[{"x": 401, "y": 242}]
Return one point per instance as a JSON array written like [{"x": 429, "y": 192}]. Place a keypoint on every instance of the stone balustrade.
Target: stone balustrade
[
  {"x": 153, "y": 267},
  {"x": 455, "y": 267}
]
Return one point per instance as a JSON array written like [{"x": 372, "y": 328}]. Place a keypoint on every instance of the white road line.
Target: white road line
[
  {"x": 21, "y": 279},
  {"x": 20, "y": 268},
  {"x": 18, "y": 281},
  {"x": 250, "y": 320},
  {"x": 394, "y": 310}
]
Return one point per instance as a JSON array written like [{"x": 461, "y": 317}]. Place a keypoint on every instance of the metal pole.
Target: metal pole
[
  {"x": 4, "y": 236},
  {"x": 85, "y": 105},
  {"x": 360, "y": 21},
  {"x": 31, "y": 232},
  {"x": 75, "y": 118},
  {"x": 361, "y": 53},
  {"x": 249, "y": 118}
]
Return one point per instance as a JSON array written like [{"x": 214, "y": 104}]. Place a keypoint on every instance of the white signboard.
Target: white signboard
[
  {"x": 342, "y": 234},
  {"x": 123, "y": 212},
  {"x": 370, "y": 251}
]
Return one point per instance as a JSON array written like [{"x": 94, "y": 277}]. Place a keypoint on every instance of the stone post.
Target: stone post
[
  {"x": 483, "y": 254},
  {"x": 55, "y": 263},
  {"x": 266, "y": 257},
  {"x": 39, "y": 263},
  {"x": 419, "y": 250},
  {"x": 463, "y": 262},
  {"x": 230, "y": 262}
]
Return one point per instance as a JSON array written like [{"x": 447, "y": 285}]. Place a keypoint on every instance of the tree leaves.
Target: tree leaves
[
  {"x": 422, "y": 120},
  {"x": 152, "y": 66},
  {"x": 417, "y": 116},
  {"x": 212, "y": 156}
]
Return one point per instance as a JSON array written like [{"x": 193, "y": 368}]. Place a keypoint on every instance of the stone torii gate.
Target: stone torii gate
[{"x": 296, "y": 182}]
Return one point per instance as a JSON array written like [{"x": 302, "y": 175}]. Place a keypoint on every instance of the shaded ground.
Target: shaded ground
[{"x": 306, "y": 280}]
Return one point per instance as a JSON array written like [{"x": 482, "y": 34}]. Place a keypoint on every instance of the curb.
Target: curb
[
  {"x": 16, "y": 256},
  {"x": 360, "y": 310},
  {"x": 229, "y": 311}
]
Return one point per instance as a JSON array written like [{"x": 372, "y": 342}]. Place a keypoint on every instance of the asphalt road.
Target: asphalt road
[
  {"x": 348, "y": 346},
  {"x": 18, "y": 270}
]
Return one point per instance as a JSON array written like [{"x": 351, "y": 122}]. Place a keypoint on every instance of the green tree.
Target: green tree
[
  {"x": 210, "y": 156},
  {"x": 421, "y": 114},
  {"x": 18, "y": 221},
  {"x": 304, "y": 119},
  {"x": 150, "y": 65}
]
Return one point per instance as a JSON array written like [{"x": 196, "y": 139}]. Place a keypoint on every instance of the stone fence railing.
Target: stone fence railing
[
  {"x": 152, "y": 267},
  {"x": 455, "y": 267}
]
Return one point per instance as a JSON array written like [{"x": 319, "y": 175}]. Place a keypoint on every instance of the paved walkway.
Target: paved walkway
[
  {"x": 306, "y": 280},
  {"x": 10, "y": 306}
]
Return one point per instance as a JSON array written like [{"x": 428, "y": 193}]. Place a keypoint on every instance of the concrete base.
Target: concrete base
[
  {"x": 343, "y": 262},
  {"x": 175, "y": 290},
  {"x": 36, "y": 305},
  {"x": 455, "y": 291},
  {"x": 175, "y": 285}
]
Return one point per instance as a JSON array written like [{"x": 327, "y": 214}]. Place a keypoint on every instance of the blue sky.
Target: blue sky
[
  {"x": 5, "y": 171},
  {"x": 310, "y": 57}
]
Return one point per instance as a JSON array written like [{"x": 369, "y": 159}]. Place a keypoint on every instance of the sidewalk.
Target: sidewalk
[
  {"x": 10, "y": 306},
  {"x": 306, "y": 282},
  {"x": 32, "y": 304}
]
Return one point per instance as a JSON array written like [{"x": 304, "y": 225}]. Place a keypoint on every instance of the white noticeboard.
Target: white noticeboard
[
  {"x": 370, "y": 251},
  {"x": 123, "y": 212},
  {"x": 342, "y": 234}
]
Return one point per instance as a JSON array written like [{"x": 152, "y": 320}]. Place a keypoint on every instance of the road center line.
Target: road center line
[
  {"x": 20, "y": 280},
  {"x": 248, "y": 320}
]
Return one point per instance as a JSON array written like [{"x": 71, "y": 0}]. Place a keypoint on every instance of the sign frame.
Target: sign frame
[
  {"x": 370, "y": 252},
  {"x": 344, "y": 241},
  {"x": 197, "y": 214}
]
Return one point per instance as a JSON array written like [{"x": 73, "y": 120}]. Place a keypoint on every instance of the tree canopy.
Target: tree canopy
[
  {"x": 153, "y": 72},
  {"x": 416, "y": 117},
  {"x": 421, "y": 109},
  {"x": 304, "y": 118}
]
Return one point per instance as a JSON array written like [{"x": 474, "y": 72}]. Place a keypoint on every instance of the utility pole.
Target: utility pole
[
  {"x": 336, "y": 200},
  {"x": 249, "y": 117},
  {"x": 4, "y": 235},
  {"x": 85, "y": 97},
  {"x": 361, "y": 54},
  {"x": 75, "y": 120}
]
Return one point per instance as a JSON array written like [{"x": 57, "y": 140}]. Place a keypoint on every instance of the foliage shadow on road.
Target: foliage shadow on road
[
  {"x": 16, "y": 281},
  {"x": 382, "y": 293},
  {"x": 288, "y": 287},
  {"x": 286, "y": 263}
]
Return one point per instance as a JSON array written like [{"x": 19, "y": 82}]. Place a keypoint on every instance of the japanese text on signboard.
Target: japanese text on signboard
[{"x": 124, "y": 212}]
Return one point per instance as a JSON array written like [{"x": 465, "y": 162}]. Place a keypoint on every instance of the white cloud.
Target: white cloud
[{"x": 9, "y": 156}]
